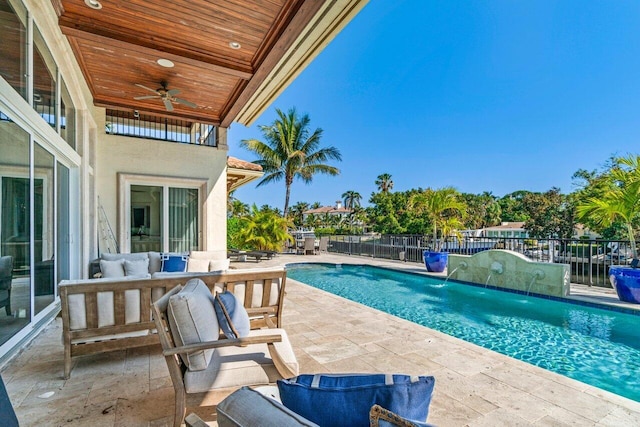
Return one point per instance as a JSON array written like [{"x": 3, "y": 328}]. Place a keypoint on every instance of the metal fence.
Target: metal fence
[{"x": 589, "y": 260}]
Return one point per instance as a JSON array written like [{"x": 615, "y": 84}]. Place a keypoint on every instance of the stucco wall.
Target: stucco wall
[{"x": 117, "y": 154}]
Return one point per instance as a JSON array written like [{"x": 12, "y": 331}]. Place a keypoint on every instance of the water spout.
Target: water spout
[
  {"x": 451, "y": 274},
  {"x": 462, "y": 266},
  {"x": 496, "y": 268},
  {"x": 537, "y": 275}
]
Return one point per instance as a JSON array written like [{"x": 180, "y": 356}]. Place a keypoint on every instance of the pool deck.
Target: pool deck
[{"x": 474, "y": 386}]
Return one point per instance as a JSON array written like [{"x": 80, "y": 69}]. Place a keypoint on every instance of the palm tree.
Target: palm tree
[
  {"x": 291, "y": 151},
  {"x": 351, "y": 199},
  {"x": 621, "y": 201},
  {"x": 297, "y": 212},
  {"x": 443, "y": 210},
  {"x": 263, "y": 229},
  {"x": 384, "y": 183},
  {"x": 238, "y": 208}
]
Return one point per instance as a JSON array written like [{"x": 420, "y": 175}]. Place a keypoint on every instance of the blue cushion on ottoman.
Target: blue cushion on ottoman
[{"x": 346, "y": 399}]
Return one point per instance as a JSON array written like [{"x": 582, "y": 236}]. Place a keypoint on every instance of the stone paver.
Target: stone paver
[{"x": 474, "y": 386}]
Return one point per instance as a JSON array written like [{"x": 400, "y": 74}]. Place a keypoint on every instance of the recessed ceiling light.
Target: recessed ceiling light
[
  {"x": 165, "y": 63},
  {"x": 234, "y": 45},
  {"x": 93, "y": 4}
]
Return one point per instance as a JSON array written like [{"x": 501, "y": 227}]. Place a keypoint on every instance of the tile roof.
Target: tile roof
[{"x": 233, "y": 162}]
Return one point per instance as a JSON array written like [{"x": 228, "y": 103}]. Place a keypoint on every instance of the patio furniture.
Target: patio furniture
[
  {"x": 100, "y": 315},
  {"x": 7, "y": 414},
  {"x": 324, "y": 244},
  {"x": 310, "y": 245},
  {"x": 6, "y": 276},
  {"x": 199, "y": 363}
]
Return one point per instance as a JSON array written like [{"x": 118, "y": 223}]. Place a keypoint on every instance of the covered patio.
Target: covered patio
[{"x": 474, "y": 386}]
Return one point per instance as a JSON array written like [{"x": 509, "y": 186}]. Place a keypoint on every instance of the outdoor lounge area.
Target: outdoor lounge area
[{"x": 474, "y": 386}]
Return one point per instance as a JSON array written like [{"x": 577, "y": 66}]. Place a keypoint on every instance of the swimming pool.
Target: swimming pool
[{"x": 598, "y": 347}]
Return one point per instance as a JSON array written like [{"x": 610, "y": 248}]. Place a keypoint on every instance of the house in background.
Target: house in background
[
  {"x": 506, "y": 229},
  {"x": 337, "y": 211},
  {"x": 113, "y": 127}
]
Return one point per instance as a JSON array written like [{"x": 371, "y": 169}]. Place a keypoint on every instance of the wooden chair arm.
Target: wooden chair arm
[{"x": 185, "y": 349}]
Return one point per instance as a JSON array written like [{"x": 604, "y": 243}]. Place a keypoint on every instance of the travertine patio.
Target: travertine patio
[{"x": 474, "y": 386}]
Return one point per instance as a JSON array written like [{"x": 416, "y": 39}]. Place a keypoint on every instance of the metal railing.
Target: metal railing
[
  {"x": 146, "y": 126},
  {"x": 589, "y": 260}
]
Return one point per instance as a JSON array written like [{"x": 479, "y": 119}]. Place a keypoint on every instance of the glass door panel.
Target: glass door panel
[
  {"x": 15, "y": 230},
  {"x": 63, "y": 231},
  {"x": 146, "y": 218},
  {"x": 183, "y": 219},
  {"x": 44, "y": 228}
]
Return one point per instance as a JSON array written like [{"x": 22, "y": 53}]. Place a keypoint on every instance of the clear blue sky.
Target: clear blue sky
[{"x": 480, "y": 95}]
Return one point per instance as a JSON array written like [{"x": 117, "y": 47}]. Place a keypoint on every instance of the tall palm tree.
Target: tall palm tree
[
  {"x": 621, "y": 201},
  {"x": 384, "y": 183},
  {"x": 351, "y": 199},
  {"x": 290, "y": 151},
  {"x": 443, "y": 208}
]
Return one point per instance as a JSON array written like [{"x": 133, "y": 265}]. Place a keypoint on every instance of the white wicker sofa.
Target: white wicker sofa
[{"x": 101, "y": 315}]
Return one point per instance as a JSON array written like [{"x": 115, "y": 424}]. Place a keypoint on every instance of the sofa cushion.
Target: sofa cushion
[
  {"x": 192, "y": 319},
  {"x": 155, "y": 263},
  {"x": 112, "y": 269},
  {"x": 248, "y": 408},
  {"x": 136, "y": 256},
  {"x": 197, "y": 265},
  {"x": 219, "y": 264},
  {"x": 136, "y": 267},
  {"x": 174, "y": 263},
  {"x": 77, "y": 308},
  {"x": 237, "y": 366}
]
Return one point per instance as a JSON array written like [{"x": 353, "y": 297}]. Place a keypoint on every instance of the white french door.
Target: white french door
[{"x": 160, "y": 214}]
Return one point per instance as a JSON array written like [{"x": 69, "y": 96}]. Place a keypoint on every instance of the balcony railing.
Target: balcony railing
[
  {"x": 137, "y": 125},
  {"x": 589, "y": 260}
]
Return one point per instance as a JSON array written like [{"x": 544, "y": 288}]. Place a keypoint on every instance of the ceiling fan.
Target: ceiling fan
[{"x": 166, "y": 95}]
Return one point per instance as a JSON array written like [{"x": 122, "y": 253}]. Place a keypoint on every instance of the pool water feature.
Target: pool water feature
[{"x": 596, "y": 346}]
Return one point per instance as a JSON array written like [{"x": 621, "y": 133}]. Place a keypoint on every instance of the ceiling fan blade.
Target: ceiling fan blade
[
  {"x": 185, "y": 102},
  {"x": 173, "y": 91},
  {"x": 146, "y": 97},
  {"x": 147, "y": 88},
  {"x": 167, "y": 104}
]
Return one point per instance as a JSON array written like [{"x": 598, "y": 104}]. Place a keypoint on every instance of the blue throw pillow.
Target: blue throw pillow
[
  {"x": 232, "y": 316},
  {"x": 225, "y": 305},
  {"x": 346, "y": 399},
  {"x": 174, "y": 263}
]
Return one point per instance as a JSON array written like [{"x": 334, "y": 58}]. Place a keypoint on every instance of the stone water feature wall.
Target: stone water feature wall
[{"x": 511, "y": 270}]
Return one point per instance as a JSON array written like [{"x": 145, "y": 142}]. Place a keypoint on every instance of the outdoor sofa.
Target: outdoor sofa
[{"x": 100, "y": 315}]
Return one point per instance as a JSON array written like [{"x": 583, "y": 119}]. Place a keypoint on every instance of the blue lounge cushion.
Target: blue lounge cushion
[
  {"x": 346, "y": 399},
  {"x": 174, "y": 263}
]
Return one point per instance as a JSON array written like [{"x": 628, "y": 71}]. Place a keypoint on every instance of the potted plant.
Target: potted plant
[
  {"x": 443, "y": 210},
  {"x": 620, "y": 202}
]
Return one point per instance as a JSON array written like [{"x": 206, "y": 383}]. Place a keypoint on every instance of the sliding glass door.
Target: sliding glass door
[{"x": 164, "y": 217}]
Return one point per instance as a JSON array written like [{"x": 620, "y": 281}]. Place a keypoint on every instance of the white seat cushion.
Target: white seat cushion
[{"x": 237, "y": 366}]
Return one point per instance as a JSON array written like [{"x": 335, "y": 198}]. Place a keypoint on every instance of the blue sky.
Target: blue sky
[{"x": 480, "y": 95}]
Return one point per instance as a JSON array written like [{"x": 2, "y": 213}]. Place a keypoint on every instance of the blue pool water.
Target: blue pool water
[{"x": 598, "y": 347}]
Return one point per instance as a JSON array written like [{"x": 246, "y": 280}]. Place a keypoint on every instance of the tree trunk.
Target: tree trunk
[{"x": 286, "y": 199}]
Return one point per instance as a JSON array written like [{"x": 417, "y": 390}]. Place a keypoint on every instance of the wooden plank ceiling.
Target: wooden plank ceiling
[{"x": 118, "y": 46}]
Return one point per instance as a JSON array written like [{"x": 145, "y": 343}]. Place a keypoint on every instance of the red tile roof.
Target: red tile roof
[{"x": 235, "y": 163}]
